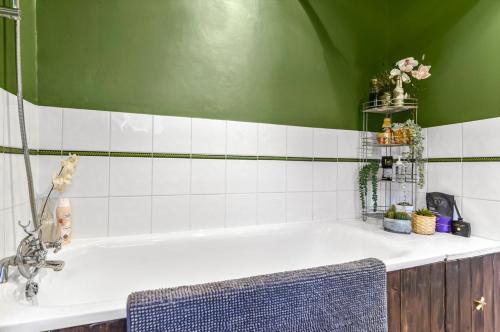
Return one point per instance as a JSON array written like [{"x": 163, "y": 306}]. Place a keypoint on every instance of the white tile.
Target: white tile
[
  {"x": 481, "y": 180},
  {"x": 481, "y": 138},
  {"x": 171, "y": 176},
  {"x": 325, "y": 143},
  {"x": 324, "y": 205},
  {"x": 347, "y": 176},
  {"x": 85, "y": 130},
  {"x": 299, "y": 206},
  {"x": 208, "y": 211},
  {"x": 170, "y": 213},
  {"x": 2, "y": 234},
  {"x": 271, "y": 208},
  {"x": 242, "y": 138},
  {"x": 50, "y": 121},
  {"x": 208, "y": 176},
  {"x": 2, "y": 188},
  {"x": 272, "y": 140},
  {"x": 3, "y": 108},
  {"x": 10, "y": 224},
  {"x": 209, "y": 136},
  {"x": 444, "y": 141},
  {"x": 241, "y": 176},
  {"x": 299, "y": 141},
  {"x": 89, "y": 217},
  {"x": 271, "y": 176},
  {"x": 12, "y": 134},
  {"x": 15, "y": 180},
  {"x": 445, "y": 178},
  {"x": 483, "y": 215},
  {"x": 348, "y": 143},
  {"x": 49, "y": 166},
  {"x": 31, "y": 116},
  {"x": 348, "y": 205},
  {"x": 171, "y": 134},
  {"x": 131, "y": 132},
  {"x": 299, "y": 176},
  {"x": 130, "y": 176},
  {"x": 241, "y": 210},
  {"x": 324, "y": 176},
  {"x": 91, "y": 178},
  {"x": 129, "y": 215}
]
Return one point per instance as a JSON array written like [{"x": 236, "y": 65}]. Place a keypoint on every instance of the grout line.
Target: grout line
[{"x": 108, "y": 221}]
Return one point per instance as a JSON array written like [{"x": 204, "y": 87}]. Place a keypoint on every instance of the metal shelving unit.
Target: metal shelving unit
[{"x": 372, "y": 150}]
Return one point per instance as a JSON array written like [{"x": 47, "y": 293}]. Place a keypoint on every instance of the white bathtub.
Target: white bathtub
[{"x": 100, "y": 273}]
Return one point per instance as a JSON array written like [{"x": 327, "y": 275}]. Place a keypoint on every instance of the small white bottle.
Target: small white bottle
[{"x": 63, "y": 215}]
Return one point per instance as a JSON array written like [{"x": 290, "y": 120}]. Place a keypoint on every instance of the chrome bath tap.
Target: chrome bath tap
[{"x": 30, "y": 258}]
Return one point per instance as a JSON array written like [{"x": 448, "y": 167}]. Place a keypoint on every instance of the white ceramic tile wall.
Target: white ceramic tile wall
[
  {"x": 474, "y": 182},
  {"x": 120, "y": 196}
]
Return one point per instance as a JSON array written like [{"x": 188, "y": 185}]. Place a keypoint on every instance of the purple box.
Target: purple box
[{"x": 443, "y": 224}]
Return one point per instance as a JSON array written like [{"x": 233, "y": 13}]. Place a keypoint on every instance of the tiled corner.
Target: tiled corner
[
  {"x": 272, "y": 140},
  {"x": 481, "y": 138},
  {"x": 170, "y": 213},
  {"x": 208, "y": 136},
  {"x": 299, "y": 141},
  {"x": 242, "y": 138},
  {"x": 241, "y": 210},
  {"x": 347, "y": 176},
  {"x": 348, "y": 205},
  {"x": 171, "y": 134},
  {"x": 129, "y": 215},
  {"x": 444, "y": 141},
  {"x": 131, "y": 132},
  {"x": 208, "y": 211},
  {"x": 85, "y": 130}
]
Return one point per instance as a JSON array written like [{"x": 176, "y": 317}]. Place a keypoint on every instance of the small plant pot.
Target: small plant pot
[
  {"x": 423, "y": 225},
  {"x": 405, "y": 208},
  {"x": 397, "y": 226}
]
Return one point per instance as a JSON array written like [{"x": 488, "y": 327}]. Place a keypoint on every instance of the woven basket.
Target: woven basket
[{"x": 423, "y": 225}]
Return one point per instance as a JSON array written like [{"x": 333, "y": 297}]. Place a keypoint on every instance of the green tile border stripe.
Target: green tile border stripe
[{"x": 126, "y": 154}]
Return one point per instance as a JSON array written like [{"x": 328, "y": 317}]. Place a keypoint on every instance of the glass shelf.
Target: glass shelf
[{"x": 409, "y": 104}]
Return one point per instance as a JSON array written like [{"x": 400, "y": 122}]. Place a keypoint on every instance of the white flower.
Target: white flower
[
  {"x": 422, "y": 73},
  {"x": 406, "y": 65},
  {"x": 73, "y": 158},
  {"x": 59, "y": 183},
  {"x": 395, "y": 72},
  {"x": 405, "y": 78}
]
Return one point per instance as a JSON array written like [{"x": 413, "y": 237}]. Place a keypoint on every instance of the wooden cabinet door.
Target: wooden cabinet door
[{"x": 468, "y": 280}]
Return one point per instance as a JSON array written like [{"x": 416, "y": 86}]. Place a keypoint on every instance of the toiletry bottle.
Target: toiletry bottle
[
  {"x": 373, "y": 96},
  {"x": 63, "y": 215}
]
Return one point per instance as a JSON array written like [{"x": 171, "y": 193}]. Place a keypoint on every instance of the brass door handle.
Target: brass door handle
[{"x": 480, "y": 303}]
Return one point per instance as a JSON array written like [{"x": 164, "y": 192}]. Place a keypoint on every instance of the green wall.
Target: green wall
[
  {"x": 300, "y": 62},
  {"x": 461, "y": 40}
]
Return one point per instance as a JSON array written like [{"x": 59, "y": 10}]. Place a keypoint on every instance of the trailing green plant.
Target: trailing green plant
[
  {"x": 404, "y": 204},
  {"x": 368, "y": 172},
  {"x": 391, "y": 213},
  {"x": 417, "y": 149},
  {"x": 424, "y": 212}
]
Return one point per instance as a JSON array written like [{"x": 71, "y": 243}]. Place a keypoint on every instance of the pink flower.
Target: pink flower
[
  {"x": 406, "y": 65},
  {"x": 422, "y": 73}
]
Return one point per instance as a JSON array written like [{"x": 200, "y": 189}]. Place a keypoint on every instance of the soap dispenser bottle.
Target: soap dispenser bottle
[{"x": 63, "y": 215}]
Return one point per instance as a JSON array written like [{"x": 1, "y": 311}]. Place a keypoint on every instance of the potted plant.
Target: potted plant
[
  {"x": 424, "y": 222},
  {"x": 404, "y": 207},
  {"x": 397, "y": 222}
]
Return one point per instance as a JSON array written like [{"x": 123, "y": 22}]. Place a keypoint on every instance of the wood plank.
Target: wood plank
[
  {"x": 464, "y": 296},
  {"x": 119, "y": 325},
  {"x": 496, "y": 290},
  {"x": 477, "y": 291},
  {"x": 452, "y": 297},
  {"x": 394, "y": 301},
  {"x": 489, "y": 319},
  {"x": 437, "y": 298},
  {"x": 415, "y": 299}
]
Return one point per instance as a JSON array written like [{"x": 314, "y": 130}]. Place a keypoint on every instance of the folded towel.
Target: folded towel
[{"x": 344, "y": 297}]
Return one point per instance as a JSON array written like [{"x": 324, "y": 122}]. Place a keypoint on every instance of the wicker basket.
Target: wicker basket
[{"x": 423, "y": 225}]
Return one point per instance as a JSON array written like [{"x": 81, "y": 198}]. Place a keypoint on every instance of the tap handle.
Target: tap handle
[{"x": 57, "y": 245}]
